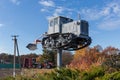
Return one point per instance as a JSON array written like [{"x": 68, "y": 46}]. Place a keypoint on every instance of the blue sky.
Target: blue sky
[{"x": 29, "y": 19}]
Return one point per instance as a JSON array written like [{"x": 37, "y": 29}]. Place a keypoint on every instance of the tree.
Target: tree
[
  {"x": 87, "y": 57},
  {"x": 6, "y": 58},
  {"x": 48, "y": 55},
  {"x": 67, "y": 57},
  {"x": 112, "y": 60},
  {"x": 98, "y": 48},
  {"x": 80, "y": 52},
  {"x": 38, "y": 59},
  {"x": 110, "y": 50},
  {"x": 52, "y": 57}
]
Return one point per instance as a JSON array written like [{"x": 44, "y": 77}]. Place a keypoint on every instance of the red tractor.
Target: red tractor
[
  {"x": 46, "y": 64},
  {"x": 31, "y": 63}
]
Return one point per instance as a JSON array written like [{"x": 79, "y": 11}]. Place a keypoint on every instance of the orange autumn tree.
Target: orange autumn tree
[
  {"x": 38, "y": 59},
  {"x": 80, "y": 53},
  {"x": 87, "y": 57}
]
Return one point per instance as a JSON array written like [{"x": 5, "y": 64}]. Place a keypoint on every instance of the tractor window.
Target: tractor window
[
  {"x": 51, "y": 23},
  {"x": 56, "y": 21}
]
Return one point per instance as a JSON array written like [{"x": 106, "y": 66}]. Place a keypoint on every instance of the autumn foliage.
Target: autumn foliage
[{"x": 88, "y": 57}]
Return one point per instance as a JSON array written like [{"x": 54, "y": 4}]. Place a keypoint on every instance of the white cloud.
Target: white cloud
[
  {"x": 53, "y": 9},
  {"x": 44, "y": 10},
  {"x": 58, "y": 11},
  {"x": 90, "y": 14},
  {"x": 48, "y": 17},
  {"x": 47, "y": 3},
  {"x": 109, "y": 24},
  {"x": 17, "y": 2},
  {"x": 115, "y": 7},
  {"x": 105, "y": 11},
  {"x": 112, "y": 8},
  {"x": 1, "y": 25},
  {"x": 108, "y": 16}
]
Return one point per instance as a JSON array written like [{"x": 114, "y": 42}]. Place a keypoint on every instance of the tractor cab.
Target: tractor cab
[{"x": 55, "y": 24}]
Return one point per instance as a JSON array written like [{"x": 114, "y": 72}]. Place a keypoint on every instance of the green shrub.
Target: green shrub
[
  {"x": 8, "y": 78},
  {"x": 64, "y": 74},
  {"x": 93, "y": 73},
  {"x": 112, "y": 76}
]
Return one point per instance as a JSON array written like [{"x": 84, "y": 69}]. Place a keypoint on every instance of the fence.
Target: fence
[{"x": 9, "y": 66}]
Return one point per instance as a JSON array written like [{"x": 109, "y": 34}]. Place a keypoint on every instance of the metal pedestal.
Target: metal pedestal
[{"x": 59, "y": 58}]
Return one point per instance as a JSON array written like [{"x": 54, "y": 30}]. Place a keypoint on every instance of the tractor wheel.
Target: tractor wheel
[
  {"x": 40, "y": 66},
  {"x": 48, "y": 66}
]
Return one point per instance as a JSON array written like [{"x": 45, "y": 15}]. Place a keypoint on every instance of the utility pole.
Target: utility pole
[{"x": 15, "y": 50}]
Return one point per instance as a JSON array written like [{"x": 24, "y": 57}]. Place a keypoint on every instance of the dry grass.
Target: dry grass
[
  {"x": 25, "y": 72},
  {"x": 8, "y": 72},
  {"x": 32, "y": 72}
]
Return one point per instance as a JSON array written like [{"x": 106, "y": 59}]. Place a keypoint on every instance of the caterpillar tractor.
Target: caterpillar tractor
[{"x": 64, "y": 33}]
